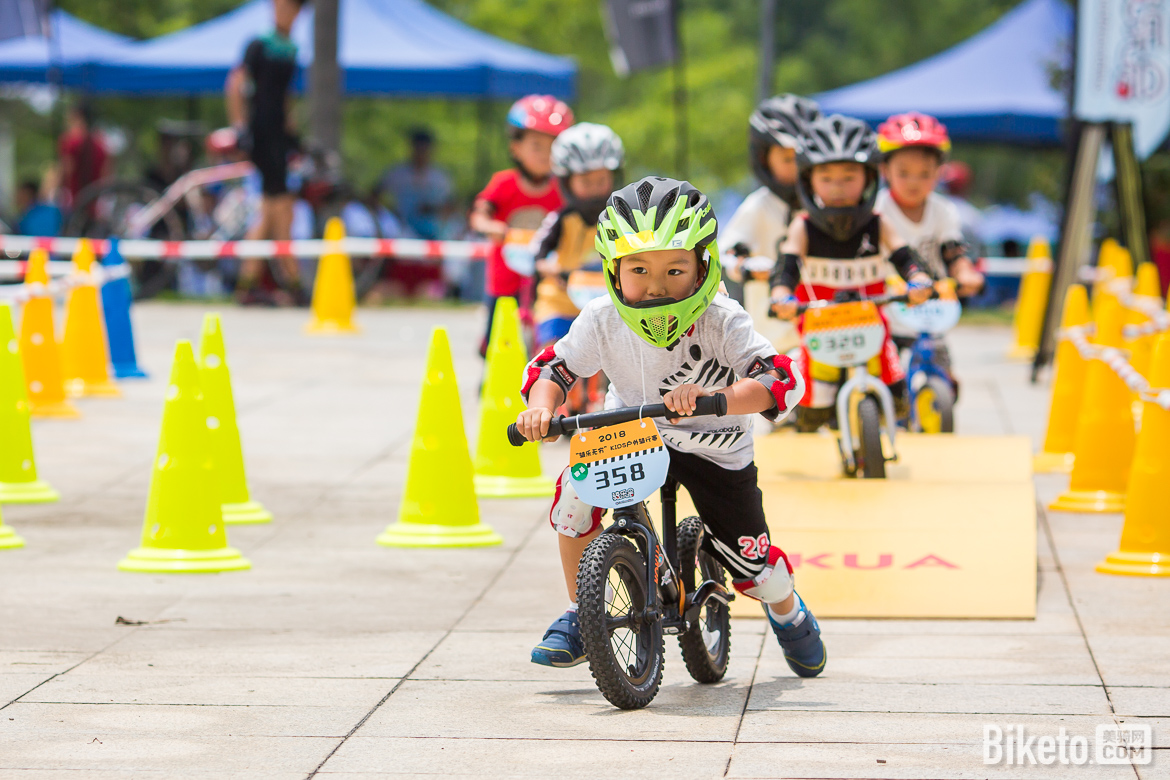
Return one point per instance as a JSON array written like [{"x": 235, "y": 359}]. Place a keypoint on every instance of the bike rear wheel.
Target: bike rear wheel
[
  {"x": 625, "y": 649},
  {"x": 706, "y": 645},
  {"x": 934, "y": 407},
  {"x": 869, "y": 421}
]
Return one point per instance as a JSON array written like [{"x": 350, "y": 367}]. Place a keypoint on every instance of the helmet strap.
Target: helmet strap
[{"x": 538, "y": 181}]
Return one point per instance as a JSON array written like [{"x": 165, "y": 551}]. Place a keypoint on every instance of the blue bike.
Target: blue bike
[{"x": 918, "y": 332}]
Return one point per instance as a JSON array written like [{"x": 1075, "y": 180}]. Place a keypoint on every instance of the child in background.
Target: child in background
[
  {"x": 664, "y": 332},
  {"x": 913, "y": 148},
  {"x": 757, "y": 229},
  {"x": 515, "y": 201},
  {"x": 838, "y": 245},
  {"x": 587, "y": 160}
]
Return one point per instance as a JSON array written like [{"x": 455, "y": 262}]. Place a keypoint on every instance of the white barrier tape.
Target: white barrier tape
[
  {"x": 151, "y": 249},
  {"x": 1119, "y": 364},
  {"x": 20, "y": 293}
]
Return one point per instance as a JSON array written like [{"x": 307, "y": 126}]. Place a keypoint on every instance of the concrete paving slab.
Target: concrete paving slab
[
  {"x": 1141, "y": 701},
  {"x": 15, "y": 684},
  {"x": 932, "y": 762},
  {"x": 683, "y": 711},
  {"x": 572, "y": 758}
]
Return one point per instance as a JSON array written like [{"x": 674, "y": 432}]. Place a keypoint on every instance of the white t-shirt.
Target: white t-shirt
[
  {"x": 940, "y": 224},
  {"x": 760, "y": 222},
  {"x": 715, "y": 353}
]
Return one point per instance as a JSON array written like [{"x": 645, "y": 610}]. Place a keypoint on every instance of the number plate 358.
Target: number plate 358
[{"x": 618, "y": 465}]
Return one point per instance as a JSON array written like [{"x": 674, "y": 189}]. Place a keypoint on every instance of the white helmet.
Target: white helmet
[{"x": 586, "y": 147}]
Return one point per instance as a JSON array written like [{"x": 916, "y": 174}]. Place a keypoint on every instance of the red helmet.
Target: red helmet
[
  {"x": 542, "y": 113},
  {"x": 225, "y": 140},
  {"x": 956, "y": 177},
  {"x": 903, "y": 131}
]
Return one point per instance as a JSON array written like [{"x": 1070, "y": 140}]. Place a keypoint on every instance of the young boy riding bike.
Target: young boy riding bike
[
  {"x": 840, "y": 245},
  {"x": 665, "y": 334},
  {"x": 515, "y": 201},
  {"x": 760, "y": 224},
  {"x": 914, "y": 147}
]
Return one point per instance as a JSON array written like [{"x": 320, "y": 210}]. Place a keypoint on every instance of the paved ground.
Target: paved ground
[{"x": 338, "y": 658}]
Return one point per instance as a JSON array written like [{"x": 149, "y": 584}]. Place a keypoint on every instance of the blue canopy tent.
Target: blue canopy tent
[
  {"x": 69, "y": 50},
  {"x": 996, "y": 86},
  {"x": 402, "y": 48}
]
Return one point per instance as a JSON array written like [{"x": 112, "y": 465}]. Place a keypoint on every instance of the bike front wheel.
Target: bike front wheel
[
  {"x": 934, "y": 407},
  {"x": 869, "y": 420},
  {"x": 624, "y": 647}
]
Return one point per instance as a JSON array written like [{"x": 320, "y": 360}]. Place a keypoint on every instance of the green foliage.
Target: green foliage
[{"x": 821, "y": 44}]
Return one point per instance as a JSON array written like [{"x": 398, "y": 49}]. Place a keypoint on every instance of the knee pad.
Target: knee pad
[
  {"x": 771, "y": 585},
  {"x": 570, "y": 515}
]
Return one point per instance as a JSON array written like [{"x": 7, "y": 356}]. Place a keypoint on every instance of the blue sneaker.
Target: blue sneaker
[
  {"x": 803, "y": 649},
  {"x": 562, "y": 646}
]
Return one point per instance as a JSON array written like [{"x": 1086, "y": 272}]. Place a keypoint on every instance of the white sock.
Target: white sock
[
  {"x": 572, "y": 608},
  {"x": 795, "y": 616}
]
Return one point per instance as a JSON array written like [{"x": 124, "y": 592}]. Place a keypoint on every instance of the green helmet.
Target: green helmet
[{"x": 658, "y": 213}]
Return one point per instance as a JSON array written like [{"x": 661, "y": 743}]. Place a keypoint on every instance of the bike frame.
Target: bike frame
[
  {"x": 860, "y": 383},
  {"x": 183, "y": 187},
  {"x": 677, "y": 607}
]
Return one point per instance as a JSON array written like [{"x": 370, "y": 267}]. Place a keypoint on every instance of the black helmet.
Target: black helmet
[
  {"x": 833, "y": 139},
  {"x": 778, "y": 121}
]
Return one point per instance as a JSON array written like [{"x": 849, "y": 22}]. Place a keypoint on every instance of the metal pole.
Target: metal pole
[
  {"x": 325, "y": 77},
  {"x": 680, "y": 97},
  {"x": 767, "y": 48}
]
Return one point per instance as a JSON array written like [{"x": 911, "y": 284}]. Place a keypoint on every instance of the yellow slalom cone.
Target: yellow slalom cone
[
  {"x": 333, "y": 293},
  {"x": 18, "y": 467},
  {"x": 1068, "y": 384},
  {"x": 1104, "y": 445},
  {"x": 1145, "y": 537},
  {"x": 38, "y": 347},
  {"x": 438, "y": 505},
  {"x": 1032, "y": 301},
  {"x": 84, "y": 358},
  {"x": 8, "y": 538},
  {"x": 183, "y": 531},
  {"x": 501, "y": 470},
  {"x": 1147, "y": 289},
  {"x": 238, "y": 506}
]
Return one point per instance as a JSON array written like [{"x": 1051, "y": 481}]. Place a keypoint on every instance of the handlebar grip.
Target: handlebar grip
[
  {"x": 514, "y": 437},
  {"x": 712, "y": 404}
]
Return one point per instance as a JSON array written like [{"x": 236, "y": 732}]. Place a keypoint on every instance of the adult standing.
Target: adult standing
[
  {"x": 420, "y": 189},
  {"x": 82, "y": 153},
  {"x": 257, "y": 93}
]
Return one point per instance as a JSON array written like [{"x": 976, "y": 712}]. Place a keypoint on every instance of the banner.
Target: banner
[
  {"x": 1123, "y": 67},
  {"x": 642, "y": 34},
  {"x": 23, "y": 19}
]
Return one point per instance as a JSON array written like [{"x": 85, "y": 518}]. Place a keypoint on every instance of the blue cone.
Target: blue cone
[{"x": 116, "y": 297}]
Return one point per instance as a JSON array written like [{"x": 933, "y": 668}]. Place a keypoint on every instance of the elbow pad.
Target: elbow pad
[
  {"x": 952, "y": 251},
  {"x": 786, "y": 272},
  {"x": 786, "y": 391},
  {"x": 906, "y": 262},
  {"x": 547, "y": 365}
]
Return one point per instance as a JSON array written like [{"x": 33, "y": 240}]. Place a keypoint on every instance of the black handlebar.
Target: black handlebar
[{"x": 708, "y": 405}]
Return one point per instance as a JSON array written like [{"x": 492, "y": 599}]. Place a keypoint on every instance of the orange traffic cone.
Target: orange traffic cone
[
  {"x": 1068, "y": 384},
  {"x": 333, "y": 292},
  {"x": 83, "y": 350},
  {"x": 1103, "y": 450},
  {"x": 1147, "y": 289},
  {"x": 38, "y": 347},
  {"x": 1145, "y": 537},
  {"x": 1032, "y": 300}
]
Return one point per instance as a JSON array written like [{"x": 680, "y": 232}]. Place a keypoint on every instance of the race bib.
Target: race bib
[
  {"x": 618, "y": 465},
  {"x": 844, "y": 334},
  {"x": 934, "y": 317},
  {"x": 517, "y": 249},
  {"x": 584, "y": 286}
]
